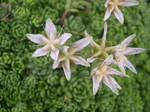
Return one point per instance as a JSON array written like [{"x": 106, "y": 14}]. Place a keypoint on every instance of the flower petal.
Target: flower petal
[
  {"x": 130, "y": 3},
  {"x": 40, "y": 52},
  {"x": 96, "y": 83},
  {"x": 128, "y": 40},
  {"x": 36, "y": 38},
  {"x": 54, "y": 54},
  {"x": 113, "y": 82},
  {"x": 79, "y": 60},
  {"x": 66, "y": 68},
  {"x": 108, "y": 60},
  {"x": 121, "y": 66},
  {"x": 50, "y": 29},
  {"x": 119, "y": 15},
  {"x": 129, "y": 65},
  {"x": 104, "y": 35},
  {"x": 93, "y": 43},
  {"x": 94, "y": 71},
  {"x": 64, "y": 38},
  {"x": 91, "y": 59},
  {"x": 80, "y": 44},
  {"x": 110, "y": 85},
  {"x": 65, "y": 49},
  {"x": 113, "y": 71},
  {"x": 132, "y": 51},
  {"x": 108, "y": 13},
  {"x": 58, "y": 61}
]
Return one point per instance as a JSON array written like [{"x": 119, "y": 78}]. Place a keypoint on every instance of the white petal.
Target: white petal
[
  {"x": 50, "y": 29},
  {"x": 118, "y": 53},
  {"x": 107, "y": 3},
  {"x": 80, "y": 44},
  {"x": 115, "y": 72},
  {"x": 119, "y": 15},
  {"x": 128, "y": 40},
  {"x": 121, "y": 66},
  {"x": 130, "y": 3},
  {"x": 96, "y": 83},
  {"x": 108, "y": 13},
  {"x": 132, "y": 51},
  {"x": 58, "y": 61},
  {"x": 108, "y": 60},
  {"x": 107, "y": 83},
  {"x": 65, "y": 49},
  {"x": 54, "y": 54},
  {"x": 104, "y": 35},
  {"x": 94, "y": 70},
  {"x": 129, "y": 65},
  {"x": 93, "y": 43},
  {"x": 40, "y": 52},
  {"x": 90, "y": 60},
  {"x": 113, "y": 82},
  {"x": 79, "y": 60},
  {"x": 64, "y": 38},
  {"x": 36, "y": 38},
  {"x": 66, "y": 68}
]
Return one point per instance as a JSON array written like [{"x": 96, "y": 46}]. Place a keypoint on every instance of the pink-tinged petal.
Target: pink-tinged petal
[
  {"x": 107, "y": 3},
  {"x": 118, "y": 50},
  {"x": 130, "y": 3},
  {"x": 113, "y": 82},
  {"x": 111, "y": 86},
  {"x": 47, "y": 47},
  {"x": 129, "y": 65},
  {"x": 54, "y": 54},
  {"x": 113, "y": 71},
  {"x": 94, "y": 71},
  {"x": 50, "y": 29},
  {"x": 80, "y": 44},
  {"x": 96, "y": 83},
  {"x": 66, "y": 68},
  {"x": 92, "y": 43},
  {"x": 121, "y": 67},
  {"x": 108, "y": 60},
  {"x": 36, "y": 38},
  {"x": 40, "y": 52},
  {"x": 132, "y": 51},
  {"x": 119, "y": 15},
  {"x": 64, "y": 38},
  {"x": 79, "y": 60},
  {"x": 58, "y": 61},
  {"x": 118, "y": 53},
  {"x": 92, "y": 59},
  {"x": 65, "y": 49},
  {"x": 104, "y": 35},
  {"x": 108, "y": 13},
  {"x": 128, "y": 40}
]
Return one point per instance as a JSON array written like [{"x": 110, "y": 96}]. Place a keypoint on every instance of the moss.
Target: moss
[{"x": 30, "y": 84}]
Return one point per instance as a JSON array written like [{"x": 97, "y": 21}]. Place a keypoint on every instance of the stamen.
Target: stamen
[
  {"x": 60, "y": 31},
  {"x": 48, "y": 54}
]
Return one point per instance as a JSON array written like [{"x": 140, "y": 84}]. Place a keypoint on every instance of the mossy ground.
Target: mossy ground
[{"x": 31, "y": 85}]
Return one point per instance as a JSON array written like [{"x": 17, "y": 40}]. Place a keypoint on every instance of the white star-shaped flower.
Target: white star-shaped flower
[
  {"x": 104, "y": 73},
  {"x": 99, "y": 49},
  {"x": 122, "y": 50},
  {"x": 68, "y": 56},
  {"x": 113, "y": 6},
  {"x": 51, "y": 44}
]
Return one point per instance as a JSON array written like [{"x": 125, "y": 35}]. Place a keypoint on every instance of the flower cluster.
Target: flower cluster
[{"x": 64, "y": 56}]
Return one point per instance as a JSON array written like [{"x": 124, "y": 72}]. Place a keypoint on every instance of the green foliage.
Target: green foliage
[{"x": 30, "y": 84}]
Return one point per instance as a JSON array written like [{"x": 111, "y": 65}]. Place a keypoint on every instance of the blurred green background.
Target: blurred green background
[{"x": 31, "y": 85}]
